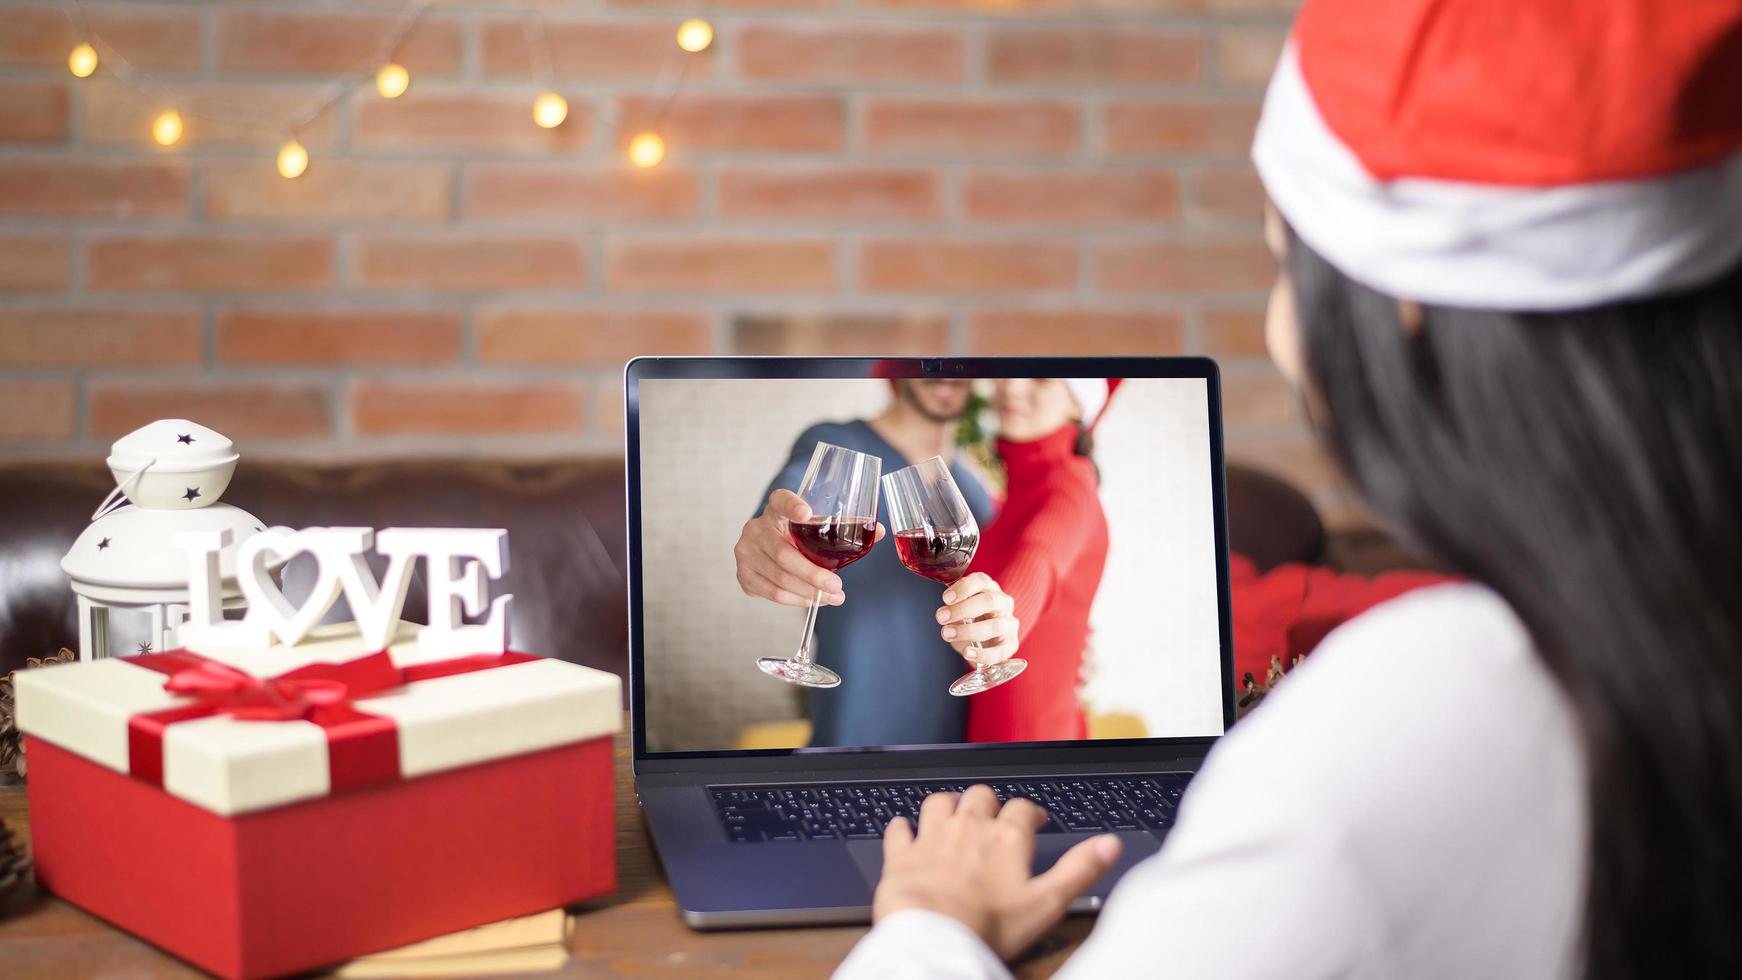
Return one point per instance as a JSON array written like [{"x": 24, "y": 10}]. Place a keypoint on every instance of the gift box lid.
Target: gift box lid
[{"x": 478, "y": 710}]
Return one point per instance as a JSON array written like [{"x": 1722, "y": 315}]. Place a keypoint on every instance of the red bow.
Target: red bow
[{"x": 361, "y": 748}]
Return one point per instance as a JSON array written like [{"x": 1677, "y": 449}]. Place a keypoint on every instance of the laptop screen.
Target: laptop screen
[{"x": 1075, "y": 516}]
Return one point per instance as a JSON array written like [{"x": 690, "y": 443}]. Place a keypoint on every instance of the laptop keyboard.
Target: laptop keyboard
[{"x": 859, "y": 811}]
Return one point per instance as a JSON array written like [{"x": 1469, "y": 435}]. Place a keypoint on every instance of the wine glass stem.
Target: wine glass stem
[
  {"x": 979, "y": 667},
  {"x": 810, "y": 622}
]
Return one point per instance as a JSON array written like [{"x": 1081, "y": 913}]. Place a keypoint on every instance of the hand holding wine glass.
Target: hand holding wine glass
[
  {"x": 832, "y": 524},
  {"x": 936, "y": 537}
]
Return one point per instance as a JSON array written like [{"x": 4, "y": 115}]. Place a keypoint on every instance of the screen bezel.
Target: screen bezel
[{"x": 916, "y": 756}]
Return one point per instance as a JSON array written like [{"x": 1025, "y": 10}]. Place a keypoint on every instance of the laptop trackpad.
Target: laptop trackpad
[{"x": 868, "y": 855}]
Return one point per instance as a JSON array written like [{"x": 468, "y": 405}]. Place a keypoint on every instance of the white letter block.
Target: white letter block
[{"x": 457, "y": 557}]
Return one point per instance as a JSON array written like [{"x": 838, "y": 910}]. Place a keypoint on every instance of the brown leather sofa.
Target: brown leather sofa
[{"x": 566, "y": 533}]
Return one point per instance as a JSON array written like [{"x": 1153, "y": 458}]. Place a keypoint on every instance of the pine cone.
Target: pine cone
[
  {"x": 14, "y": 863},
  {"x": 11, "y": 739}
]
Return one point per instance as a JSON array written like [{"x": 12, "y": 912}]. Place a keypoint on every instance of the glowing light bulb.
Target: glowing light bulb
[
  {"x": 166, "y": 128},
  {"x": 695, "y": 35},
  {"x": 549, "y": 110},
  {"x": 82, "y": 62},
  {"x": 646, "y": 150},
  {"x": 292, "y": 160},
  {"x": 392, "y": 80}
]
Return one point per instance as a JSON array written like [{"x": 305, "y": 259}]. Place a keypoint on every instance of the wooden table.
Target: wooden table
[{"x": 635, "y": 932}]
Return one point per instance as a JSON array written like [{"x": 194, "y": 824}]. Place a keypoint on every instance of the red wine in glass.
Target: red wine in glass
[
  {"x": 834, "y": 542},
  {"x": 936, "y": 536},
  {"x": 840, "y": 487},
  {"x": 941, "y": 554}
]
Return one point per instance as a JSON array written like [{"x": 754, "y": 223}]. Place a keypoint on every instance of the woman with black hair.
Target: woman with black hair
[{"x": 1510, "y": 234}]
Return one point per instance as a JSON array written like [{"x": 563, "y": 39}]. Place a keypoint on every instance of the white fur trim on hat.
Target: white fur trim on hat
[{"x": 1479, "y": 245}]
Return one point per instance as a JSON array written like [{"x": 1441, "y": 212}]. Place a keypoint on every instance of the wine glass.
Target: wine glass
[
  {"x": 840, "y": 485},
  {"x": 935, "y": 537}
]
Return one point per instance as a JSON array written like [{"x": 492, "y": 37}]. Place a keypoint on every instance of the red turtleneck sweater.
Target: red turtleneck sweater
[{"x": 1046, "y": 548}]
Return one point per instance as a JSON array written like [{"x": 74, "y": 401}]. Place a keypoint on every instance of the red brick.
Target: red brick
[
  {"x": 566, "y": 192},
  {"x": 93, "y": 188},
  {"x": 1119, "y": 56},
  {"x": 595, "y": 337},
  {"x": 849, "y": 55},
  {"x": 1247, "y": 55},
  {"x": 470, "y": 263},
  {"x": 43, "y": 36},
  {"x": 38, "y": 409},
  {"x": 33, "y": 112},
  {"x": 840, "y": 334},
  {"x": 1008, "y": 8},
  {"x": 464, "y": 408},
  {"x": 349, "y": 336},
  {"x": 77, "y": 338},
  {"x": 597, "y": 49},
  {"x": 1234, "y": 333},
  {"x": 1075, "y": 331},
  {"x": 250, "y": 42},
  {"x": 227, "y": 263},
  {"x": 968, "y": 266},
  {"x": 1184, "y": 267},
  {"x": 331, "y": 189},
  {"x": 973, "y": 126},
  {"x": 831, "y": 194},
  {"x": 732, "y": 122},
  {"x": 117, "y": 113},
  {"x": 1232, "y": 193},
  {"x": 1257, "y": 399},
  {"x": 34, "y": 263},
  {"x": 465, "y": 120},
  {"x": 1097, "y": 197},
  {"x": 1222, "y": 126},
  {"x": 256, "y": 409},
  {"x": 720, "y": 265},
  {"x": 1297, "y": 458}
]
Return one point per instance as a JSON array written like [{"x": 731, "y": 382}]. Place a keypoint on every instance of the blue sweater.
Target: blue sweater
[{"x": 895, "y": 669}]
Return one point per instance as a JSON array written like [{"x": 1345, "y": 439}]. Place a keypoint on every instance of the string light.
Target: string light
[
  {"x": 166, "y": 128},
  {"x": 292, "y": 160},
  {"x": 695, "y": 35},
  {"x": 392, "y": 80},
  {"x": 82, "y": 62},
  {"x": 646, "y": 150},
  {"x": 549, "y": 110}
]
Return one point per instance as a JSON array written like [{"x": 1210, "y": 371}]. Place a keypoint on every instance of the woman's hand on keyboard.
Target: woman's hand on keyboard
[{"x": 970, "y": 861}]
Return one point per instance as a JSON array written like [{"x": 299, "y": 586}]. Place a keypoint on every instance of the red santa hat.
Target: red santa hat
[
  {"x": 1511, "y": 154},
  {"x": 1091, "y": 395}
]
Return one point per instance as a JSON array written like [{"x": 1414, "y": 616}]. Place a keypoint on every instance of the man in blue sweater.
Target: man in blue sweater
[{"x": 877, "y": 627}]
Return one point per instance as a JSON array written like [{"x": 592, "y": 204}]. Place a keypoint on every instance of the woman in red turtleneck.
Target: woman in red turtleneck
[{"x": 1047, "y": 548}]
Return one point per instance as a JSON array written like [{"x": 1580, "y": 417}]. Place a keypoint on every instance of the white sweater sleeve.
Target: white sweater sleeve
[{"x": 918, "y": 944}]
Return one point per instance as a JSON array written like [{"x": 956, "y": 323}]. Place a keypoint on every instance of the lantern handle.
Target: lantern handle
[{"x": 113, "y": 501}]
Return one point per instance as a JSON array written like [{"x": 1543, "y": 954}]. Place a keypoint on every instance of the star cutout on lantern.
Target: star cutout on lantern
[
  {"x": 185, "y": 439},
  {"x": 145, "y": 646},
  {"x": 191, "y": 494},
  {"x": 101, "y": 545}
]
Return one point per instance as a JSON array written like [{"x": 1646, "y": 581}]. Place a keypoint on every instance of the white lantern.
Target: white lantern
[{"x": 172, "y": 473}]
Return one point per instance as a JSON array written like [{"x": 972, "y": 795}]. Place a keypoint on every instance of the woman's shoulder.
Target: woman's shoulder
[
  {"x": 1426, "y": 745},
  {"x": 1442, "y": 674}
]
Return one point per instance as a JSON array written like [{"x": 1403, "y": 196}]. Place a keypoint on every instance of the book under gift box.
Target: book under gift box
[{"x": 260, "y": 812}]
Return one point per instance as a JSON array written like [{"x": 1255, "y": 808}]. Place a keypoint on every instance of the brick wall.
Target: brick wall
[{"x": 844, "y": 176}]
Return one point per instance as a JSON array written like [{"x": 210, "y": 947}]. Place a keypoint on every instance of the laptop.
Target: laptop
[{"x": 766, "y": 800}]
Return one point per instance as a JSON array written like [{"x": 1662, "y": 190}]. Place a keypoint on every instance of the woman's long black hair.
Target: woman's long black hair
[{"x": 1586, "y": 465}]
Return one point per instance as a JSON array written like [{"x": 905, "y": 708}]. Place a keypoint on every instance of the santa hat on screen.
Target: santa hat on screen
[
  {"x": 1091, "y": 395},
  {"x": 1511, "y": 154}
]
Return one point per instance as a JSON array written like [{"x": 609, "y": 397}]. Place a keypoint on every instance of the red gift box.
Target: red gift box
[{"x": 208, "y": 863}]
